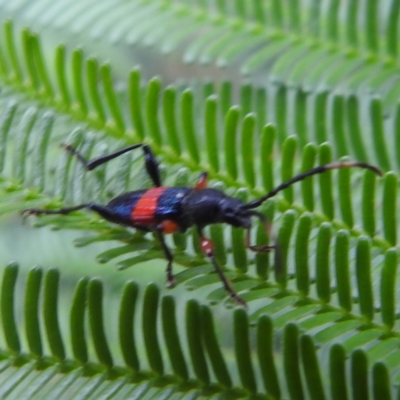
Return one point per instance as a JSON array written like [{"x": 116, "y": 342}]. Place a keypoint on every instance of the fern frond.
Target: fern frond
[
  {"x": 90, "y": 363},
  {"x": 153, "y": 132},
  {"x": 336, "y": 293}
]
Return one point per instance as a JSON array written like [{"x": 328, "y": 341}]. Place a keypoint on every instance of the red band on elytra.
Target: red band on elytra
[{"x": 145, "y": 208}]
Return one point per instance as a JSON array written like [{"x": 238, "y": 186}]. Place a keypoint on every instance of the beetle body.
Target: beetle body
[
  {"x": 171, "y": 209},
  {"x": 150, "y": 209},
  {"x": 164, "y": 210}
]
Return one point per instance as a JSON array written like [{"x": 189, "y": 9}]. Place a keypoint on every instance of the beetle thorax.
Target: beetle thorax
[{"x": 211, "y": 206}]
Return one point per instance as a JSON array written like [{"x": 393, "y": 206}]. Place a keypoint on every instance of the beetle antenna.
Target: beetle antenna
[{"x": 318, "y": 170}]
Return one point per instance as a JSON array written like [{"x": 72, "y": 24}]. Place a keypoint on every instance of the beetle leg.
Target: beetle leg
[
  {"x": 268, "y": 228},
  {"x": 39, "y": 211},
  {"x": 151, "y": 162},
  {"x": 264, "y": 248},
  {"x": 106, "y": 212},
  {"x": 208, "y": 249},
  {"x": 168, "y": 255},
  {"x": 152, "y": 166}
]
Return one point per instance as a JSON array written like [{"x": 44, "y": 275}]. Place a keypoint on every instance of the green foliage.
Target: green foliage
[{"x": 291, "y": 85}]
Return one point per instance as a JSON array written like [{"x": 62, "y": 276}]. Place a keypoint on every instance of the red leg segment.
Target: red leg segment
[{"x": 208, "y": 249}]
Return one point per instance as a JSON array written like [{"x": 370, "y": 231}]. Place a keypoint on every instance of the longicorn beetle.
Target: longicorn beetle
[{"x": 165, "y": 210}]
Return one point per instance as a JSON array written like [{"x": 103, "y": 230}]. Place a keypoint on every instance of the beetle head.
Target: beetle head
[{"x": 233, "y": 213}]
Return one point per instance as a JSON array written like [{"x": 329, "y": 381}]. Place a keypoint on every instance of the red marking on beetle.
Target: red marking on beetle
[
  {"x": 202, "y": 181},
  {"x": 207, "y": 246},
  {"x": 169, "y": 226},
  {"x": 145, "y": 208}
]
